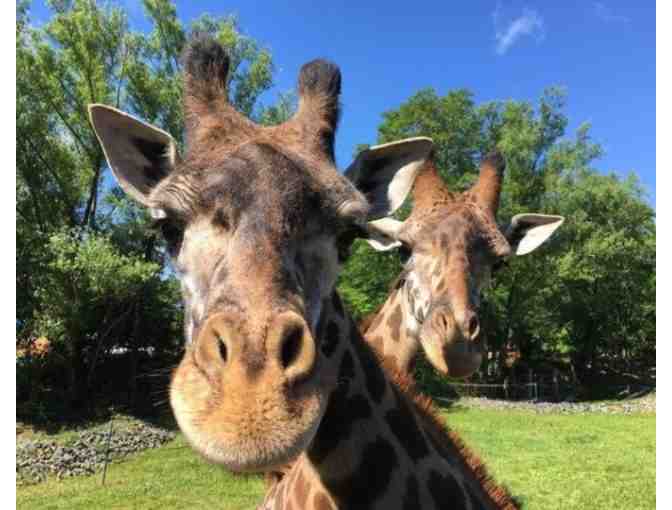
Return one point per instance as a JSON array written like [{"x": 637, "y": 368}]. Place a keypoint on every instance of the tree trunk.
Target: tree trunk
[
  {"x": 77, "y": 396},
  {"x": 137, "y": 341},
  {"x": 133, "y": 360},
  {"x": 90, "y": 210}
]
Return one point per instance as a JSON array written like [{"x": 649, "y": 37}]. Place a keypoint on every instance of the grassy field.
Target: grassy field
[
  {"x": 585, "y": 461},
  {"x": 588, "y": 461}
]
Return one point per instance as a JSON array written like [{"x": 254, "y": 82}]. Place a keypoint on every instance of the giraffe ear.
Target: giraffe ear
[
  {"x": 139, "y": 154},
  {"x": 386, "y": 173},
  {"x": 382, "y": 234},
  {"x": 527, "y": 232}
]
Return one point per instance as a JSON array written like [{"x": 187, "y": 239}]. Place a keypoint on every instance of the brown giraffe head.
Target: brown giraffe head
[
  {"x": 255, "y": 219},
  {"x": 452, "y": 242}
]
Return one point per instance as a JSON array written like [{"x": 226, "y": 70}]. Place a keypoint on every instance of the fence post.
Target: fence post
[
  {"x": 506, "y": 388},
  {"x": 556, "y": 385},
  {"x": 107, "y": 450},
  {"x": 530, "y": 378}
]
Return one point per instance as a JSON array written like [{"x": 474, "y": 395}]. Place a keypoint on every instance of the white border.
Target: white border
[
  {"x": 663, "y": 209},
  {"x": 8, "y": 254}
]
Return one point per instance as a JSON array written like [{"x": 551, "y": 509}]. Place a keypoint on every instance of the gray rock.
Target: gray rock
[
  {"x": 643, "y": 405},
  {"x": 35, "y": 460}
]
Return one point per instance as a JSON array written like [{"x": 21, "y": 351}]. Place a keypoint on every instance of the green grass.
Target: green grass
[
  {"x": 549, "y": 461},
  {"x": 567, "y": 461},
  {"x": 171, "y": 477}
]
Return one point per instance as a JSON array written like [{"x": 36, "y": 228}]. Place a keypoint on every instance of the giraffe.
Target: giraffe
[
  {"x": 255, "y": 219},
  {"x": 451, "y": 243}
]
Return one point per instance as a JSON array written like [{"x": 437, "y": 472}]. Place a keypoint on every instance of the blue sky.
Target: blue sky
[{"x": 602, "y": 52}]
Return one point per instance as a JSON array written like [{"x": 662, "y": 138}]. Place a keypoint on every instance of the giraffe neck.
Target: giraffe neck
[
  {"x": 377, "y": 445},
  {"x": 389, "y": 336}
]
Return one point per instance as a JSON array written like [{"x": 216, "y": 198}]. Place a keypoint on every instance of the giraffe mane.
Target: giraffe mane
[{"x": 448, "y": 441}]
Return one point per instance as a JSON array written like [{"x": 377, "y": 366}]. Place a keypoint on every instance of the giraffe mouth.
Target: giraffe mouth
[
  {"x": 462, "y": 358},
  {"x": 449, "y": 352}
]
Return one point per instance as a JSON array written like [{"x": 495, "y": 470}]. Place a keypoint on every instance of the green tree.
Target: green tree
[
  {"x": 603, "y": 290},
  {"x": 84, "y": 255},
  {"x": 279, "y": 112}
]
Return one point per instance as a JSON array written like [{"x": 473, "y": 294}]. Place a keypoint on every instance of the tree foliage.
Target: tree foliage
[{"x": 90, "y": 276}]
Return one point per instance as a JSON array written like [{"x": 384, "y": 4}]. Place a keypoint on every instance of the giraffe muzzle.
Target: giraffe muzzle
[
  {"x": 452, "y": 345},
  {"x": 250, "y": 403}
]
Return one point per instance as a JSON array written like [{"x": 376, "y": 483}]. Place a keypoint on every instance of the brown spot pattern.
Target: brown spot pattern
[
  {"x": 408, "y": 434},
  {"x": 412, "y": 497},
  {"x": 394, "y": 323},
  {"x": 330, "y": 341},
  {"x": 445, "y": 491},
  {"x": 338, "y": 306},
  {"x": 373, "y": 373},
  {"x": 347, "y": 369},
  {"x": 371, "y": 478}
]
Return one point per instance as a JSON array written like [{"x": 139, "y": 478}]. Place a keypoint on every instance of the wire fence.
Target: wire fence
[
  {"x": 531, "y": 386},
  {"x": 555, "y": 390},
  {"x": 506, "y": 390}
]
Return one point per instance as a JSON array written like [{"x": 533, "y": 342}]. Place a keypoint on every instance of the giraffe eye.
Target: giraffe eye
[
  {"x": 404, "y": 253},
  {"x": 499, "y": 265},
  {"x": 172, "y": 231},
  {"x": 222, "y": 219}
]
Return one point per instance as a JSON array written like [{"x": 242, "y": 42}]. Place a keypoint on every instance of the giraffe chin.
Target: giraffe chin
[
  {"x": 463, "y": 358},
  {"x": 448, "y": 352},
  {"x": 252, "y": 456},
  {"x": 251, "y": 431}
]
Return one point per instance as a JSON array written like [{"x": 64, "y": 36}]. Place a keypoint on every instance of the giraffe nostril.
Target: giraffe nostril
[
  {"x": 223, "y": 351},
  {"x": 291, "y": 346},
  {"x": 473, "y": 327},
  {"x": 441, "y": 321}
]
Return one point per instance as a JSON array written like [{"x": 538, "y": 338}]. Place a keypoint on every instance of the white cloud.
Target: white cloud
[
  {"x": 530, "y": 23},
  {"x": 607, "y": 15}
]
